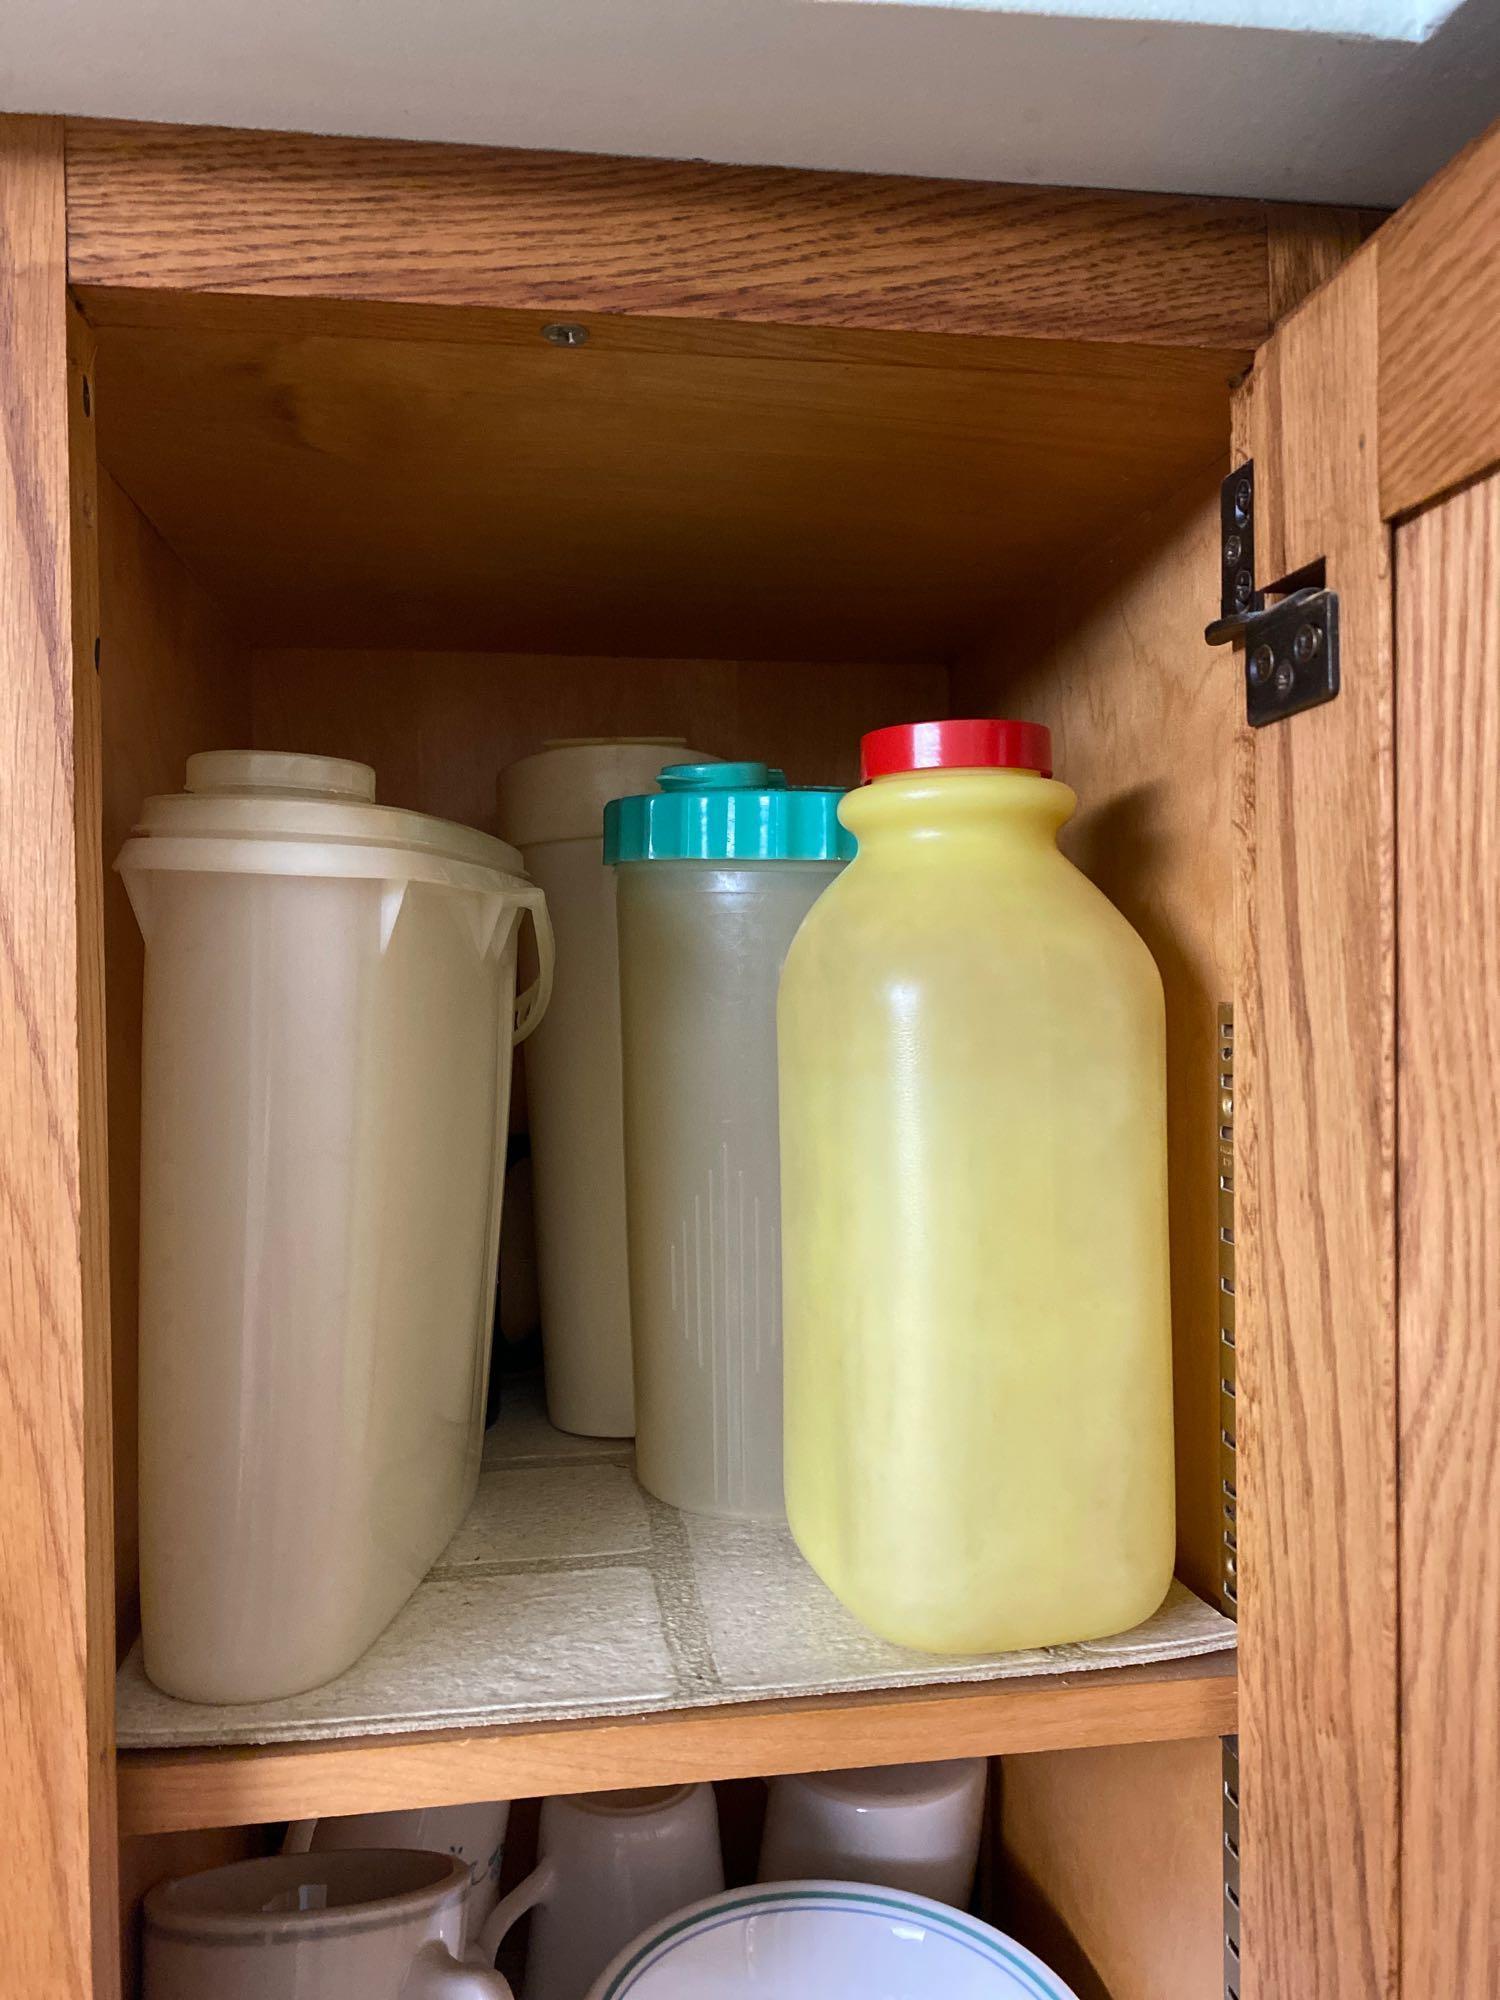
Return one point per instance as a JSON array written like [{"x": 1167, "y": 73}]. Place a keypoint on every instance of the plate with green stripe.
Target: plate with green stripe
[{"x": 825, "y": 1941}]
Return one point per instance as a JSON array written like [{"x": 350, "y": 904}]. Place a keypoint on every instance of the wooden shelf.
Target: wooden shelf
[
  {"x": 675, "y": 1647},
  {"x": 169, "y": 1790}
]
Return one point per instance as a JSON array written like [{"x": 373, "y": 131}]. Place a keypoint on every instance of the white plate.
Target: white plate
[{"x": 835, "y": 1940}]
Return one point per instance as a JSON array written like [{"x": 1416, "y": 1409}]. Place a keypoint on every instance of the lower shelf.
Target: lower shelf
[{"x": 577, "y": 1635}]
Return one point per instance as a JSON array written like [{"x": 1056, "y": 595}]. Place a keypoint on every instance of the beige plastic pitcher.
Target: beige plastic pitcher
[
  {"x": 381, "y": 1925},
  {"x": 326, "y": 1065}
]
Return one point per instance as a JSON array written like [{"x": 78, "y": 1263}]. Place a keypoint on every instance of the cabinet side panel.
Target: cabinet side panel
[
  {"x": 1112, "y": 1866},
  {"x": 1305, "y": 247},
  {"x": 1314, "y": 1131},
  {"x": 56, "y": 1630},
  {"x": 172, "y": 679},
  {"x": 1448, "y": 819},
  {"x": 1142, "y": 717}
]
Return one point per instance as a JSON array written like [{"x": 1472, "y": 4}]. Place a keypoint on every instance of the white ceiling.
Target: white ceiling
[{"x": 975, "y": 89}]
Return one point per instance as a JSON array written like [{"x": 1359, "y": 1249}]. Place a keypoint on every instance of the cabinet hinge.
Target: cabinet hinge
[{"x": 1291, "y": 647}]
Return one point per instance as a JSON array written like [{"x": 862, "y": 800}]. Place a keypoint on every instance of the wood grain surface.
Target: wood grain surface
[
  {"x": 1114, "y": 1854},
  {"x": 259, "y": 317},
  {"x": 1448, "y": 816},
  {"x": 1143, "y": 719},
  {"x": 438, "y": 727},
  {"x": 161, "y": 1790},
  {"x": 1111, "y": 1867},
  {"x": 627, "y": 498},
  {"x": 1440, "y": 332},
  {"x": 1315, "y": 1233},
  {"x": 205, "y": 209},
  {"x": 1305, "y": 246},
  {"x": 172, "y": 679},
  {"x": 57, "y": 1886}
]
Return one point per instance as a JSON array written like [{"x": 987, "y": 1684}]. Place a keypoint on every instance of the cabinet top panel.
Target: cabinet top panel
[{"x": 343, "y": 474}]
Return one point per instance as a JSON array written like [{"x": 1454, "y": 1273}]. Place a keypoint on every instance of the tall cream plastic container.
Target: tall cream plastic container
[
  {"x": 329, "y": 1012},
  {"x": 552, "y": 808},
  {"x": 715, "y": 876},
  {"x": 974, "y": 1200}
]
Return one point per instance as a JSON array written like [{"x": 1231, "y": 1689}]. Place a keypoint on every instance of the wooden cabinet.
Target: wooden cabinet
[{"x": 300, "y": 450}]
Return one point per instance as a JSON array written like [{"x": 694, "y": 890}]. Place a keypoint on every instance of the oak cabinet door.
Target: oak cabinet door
[
  {"x": 57, "y": 1777},
  {"x": 1367, "y": 1194}
]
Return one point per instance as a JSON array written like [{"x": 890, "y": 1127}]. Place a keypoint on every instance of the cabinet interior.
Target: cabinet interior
[{"x": 431, "y": 538}]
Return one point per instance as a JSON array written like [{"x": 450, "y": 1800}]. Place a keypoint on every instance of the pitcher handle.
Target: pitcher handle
[
  {"x": 437, "y": 1975},
  {"x": 532, "y": 1004}
]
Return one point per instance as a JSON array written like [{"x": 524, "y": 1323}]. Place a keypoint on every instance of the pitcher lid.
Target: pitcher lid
[{"x": 290, "y": 795}]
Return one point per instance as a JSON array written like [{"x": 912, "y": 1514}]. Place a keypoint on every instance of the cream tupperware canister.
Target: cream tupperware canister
[
  {"x": 328, "y": 1017},
  {"x": 552, "y": 807}
]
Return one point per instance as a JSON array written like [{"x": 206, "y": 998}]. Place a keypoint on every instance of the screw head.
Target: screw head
[
  {"x": 565, "y": 333},
  {"x": 1284, "y": 677},
  {"x": 1262, "y": 664},
  {"x": 1307, "y": 644},
  {"x": 1234, "y": 548},
  {"x": 1244, "y": 587},
  {"x": 1242, "y": 499}
]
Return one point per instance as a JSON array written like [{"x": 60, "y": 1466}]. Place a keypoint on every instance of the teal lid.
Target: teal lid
[{"x": 727, "y": 812}]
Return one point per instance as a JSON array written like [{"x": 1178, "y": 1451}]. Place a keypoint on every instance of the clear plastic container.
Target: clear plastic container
[
  {"x": 714, "y": 878},
  {"x": 552, "y": 808},
  {"x": 326, "y": 1065},
  {"x": 973, "y": 1152}
]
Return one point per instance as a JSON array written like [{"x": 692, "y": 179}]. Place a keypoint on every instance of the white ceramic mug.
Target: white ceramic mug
[
  {"x": 907, "y": 1826},
  {"x": 378, "y": 1924},
  {"x": 473, "y": 1834},
  {"x": 611, "y": 1864}
]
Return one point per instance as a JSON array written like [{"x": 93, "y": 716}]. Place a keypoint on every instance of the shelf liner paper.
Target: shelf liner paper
[{"x": 569, "y": 1592}]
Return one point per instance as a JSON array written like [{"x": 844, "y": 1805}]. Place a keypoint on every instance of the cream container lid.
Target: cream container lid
[
  {"x": 561, "y": 791},
  {"x": 288, "y": 795}
]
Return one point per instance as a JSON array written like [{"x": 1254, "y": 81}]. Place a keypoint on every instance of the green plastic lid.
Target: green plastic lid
[{"x": 727, "y": 812}]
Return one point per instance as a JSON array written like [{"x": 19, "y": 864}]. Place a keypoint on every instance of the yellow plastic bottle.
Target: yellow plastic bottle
[{"x": 974, "y": 1215}]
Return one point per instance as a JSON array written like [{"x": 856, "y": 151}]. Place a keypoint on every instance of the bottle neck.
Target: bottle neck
[{"x": 1020, "y": 807}]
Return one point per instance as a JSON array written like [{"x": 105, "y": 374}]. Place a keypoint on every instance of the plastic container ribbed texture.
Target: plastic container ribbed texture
[
  {"x": 552, "y": 808},
  {"x": 974, "y": 1199},
  {"x": 328, "y": 1019},
  {"x": 705, "y": 922}
]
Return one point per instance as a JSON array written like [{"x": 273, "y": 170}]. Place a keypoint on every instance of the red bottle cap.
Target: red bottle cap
[{"x": 955, "y": 746}]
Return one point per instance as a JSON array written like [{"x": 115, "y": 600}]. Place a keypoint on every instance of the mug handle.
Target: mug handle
[
  {"x": 437, "y": 1975},
  {"x": 526, "y": 1894}
]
